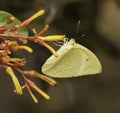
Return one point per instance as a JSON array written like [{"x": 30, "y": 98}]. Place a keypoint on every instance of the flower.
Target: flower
[
  {"x": 15, "y": 80},
  {"x": 11, "y": 64}
]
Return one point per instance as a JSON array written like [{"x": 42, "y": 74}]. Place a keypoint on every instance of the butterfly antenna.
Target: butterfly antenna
[
  {"x": 78, "y": 25},
  {"x": 81, "y": 36}
]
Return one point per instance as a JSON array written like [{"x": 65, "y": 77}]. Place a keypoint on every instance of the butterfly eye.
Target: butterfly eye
[{"x": 66, "y": 40}]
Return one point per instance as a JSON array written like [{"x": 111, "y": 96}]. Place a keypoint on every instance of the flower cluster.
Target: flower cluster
[{"x": 11, "y": 64}]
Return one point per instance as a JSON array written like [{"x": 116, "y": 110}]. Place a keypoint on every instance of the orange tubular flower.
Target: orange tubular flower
[
  {"x": 15, "y": 80},
  {"x": 9, "y": 63}
]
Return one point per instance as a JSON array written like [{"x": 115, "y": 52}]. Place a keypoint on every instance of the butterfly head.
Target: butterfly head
[{"x": 69, "y": 42}]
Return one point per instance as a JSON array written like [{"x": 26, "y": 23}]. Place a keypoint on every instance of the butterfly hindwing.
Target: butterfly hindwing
[{"x": 90, "y": 63}]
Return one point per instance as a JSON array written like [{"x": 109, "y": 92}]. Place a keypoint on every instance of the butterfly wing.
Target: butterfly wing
[
  {"x": 90, "y": 64},
  {"x": 73, "y": 60}
]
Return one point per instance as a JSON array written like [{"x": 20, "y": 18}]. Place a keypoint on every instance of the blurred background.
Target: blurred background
[{"x": 100, "y": 22}]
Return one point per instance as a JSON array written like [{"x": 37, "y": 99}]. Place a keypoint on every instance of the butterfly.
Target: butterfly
[{"x": 73, "y": 60}]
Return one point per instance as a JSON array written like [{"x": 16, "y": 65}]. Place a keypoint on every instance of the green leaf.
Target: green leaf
[{"x": 4, "y": 16}]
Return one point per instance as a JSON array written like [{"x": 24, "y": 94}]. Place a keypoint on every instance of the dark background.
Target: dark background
[{"x": 100, "y": 22}]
